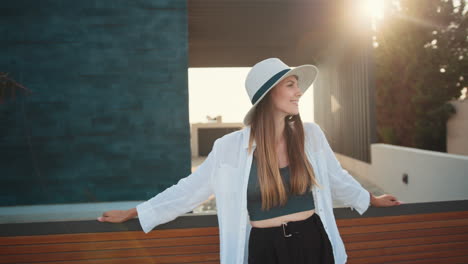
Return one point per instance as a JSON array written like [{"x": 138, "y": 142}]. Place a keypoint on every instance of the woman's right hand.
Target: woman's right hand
[{"x": 117, "y": 216}]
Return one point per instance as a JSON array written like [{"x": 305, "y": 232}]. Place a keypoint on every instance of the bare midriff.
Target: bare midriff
[{"x": 277, "y": 221}]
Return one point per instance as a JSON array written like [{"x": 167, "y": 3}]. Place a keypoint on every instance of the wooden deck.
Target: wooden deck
[{"x": 411, "y": 233}]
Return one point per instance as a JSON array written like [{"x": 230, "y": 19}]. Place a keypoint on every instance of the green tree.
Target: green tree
[{"x": 421, "y": 59}]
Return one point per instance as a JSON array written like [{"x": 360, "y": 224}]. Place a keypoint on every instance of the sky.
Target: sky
[{"x": 221, "y": 91}]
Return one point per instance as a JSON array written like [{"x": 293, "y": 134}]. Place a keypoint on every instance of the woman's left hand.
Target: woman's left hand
[{"x": 384, "y": 200}]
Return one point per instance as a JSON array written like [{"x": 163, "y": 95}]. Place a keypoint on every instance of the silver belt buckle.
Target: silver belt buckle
[{"x": 284, "y": 230}]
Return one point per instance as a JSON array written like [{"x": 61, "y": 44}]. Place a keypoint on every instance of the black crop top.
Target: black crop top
[{"x": 295, "y": 203}]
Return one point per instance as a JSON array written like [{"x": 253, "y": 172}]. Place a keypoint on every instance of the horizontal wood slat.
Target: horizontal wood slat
[
  {"x": 407, "y": 242},
  {"x": 413, "y": 256},
  {"x": 109, "y": 236},
  {"x": 401, "y": 219},
  {"x": 451, "y": 260},
  {"x": 208, "y": 258},
  {"x": 102, "y": 254},
  {"x": 400, "y": 249},
  {"x": 109, "y": 245},
  {"x": 404, "y": 234},
  {"x": 403, "y": 226}
]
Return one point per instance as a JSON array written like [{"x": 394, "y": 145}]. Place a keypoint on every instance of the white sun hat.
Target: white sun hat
[{"x": 266, "y": 74}]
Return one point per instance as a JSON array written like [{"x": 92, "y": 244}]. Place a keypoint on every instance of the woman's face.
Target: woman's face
[{"x": 285, "y": 96}]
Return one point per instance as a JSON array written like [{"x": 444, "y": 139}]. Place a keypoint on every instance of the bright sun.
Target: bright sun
[{"x": 374, "y": 8}]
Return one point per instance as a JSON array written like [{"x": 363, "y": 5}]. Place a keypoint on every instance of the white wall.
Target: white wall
[{"x": 432, "y": 176}]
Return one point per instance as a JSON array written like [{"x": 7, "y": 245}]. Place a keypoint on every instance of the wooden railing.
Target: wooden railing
[{"x": 410, "y": 233}]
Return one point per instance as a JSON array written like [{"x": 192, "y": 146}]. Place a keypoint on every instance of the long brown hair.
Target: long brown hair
[{"x": 271, "y": 183}]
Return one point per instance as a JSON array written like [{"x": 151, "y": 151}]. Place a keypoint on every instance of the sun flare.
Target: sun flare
[{"x": 374, "y": 8}]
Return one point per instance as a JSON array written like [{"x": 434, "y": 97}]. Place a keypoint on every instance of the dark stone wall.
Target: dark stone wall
[{"x": 107, "y": 119}]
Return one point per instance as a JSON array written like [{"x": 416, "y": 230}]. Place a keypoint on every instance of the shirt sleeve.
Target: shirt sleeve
[
  {"x": 180, "y": 198},
  {"x": 344, "y": 187}
]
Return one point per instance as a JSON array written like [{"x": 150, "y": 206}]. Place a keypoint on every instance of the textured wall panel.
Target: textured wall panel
[{"x": 108, "y": 116}]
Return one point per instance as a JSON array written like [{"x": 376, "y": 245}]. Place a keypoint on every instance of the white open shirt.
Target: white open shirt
[{"x": 225, "y": 174}]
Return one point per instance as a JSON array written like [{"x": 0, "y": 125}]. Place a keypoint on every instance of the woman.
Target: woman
[{"x": 274, "y": 180}]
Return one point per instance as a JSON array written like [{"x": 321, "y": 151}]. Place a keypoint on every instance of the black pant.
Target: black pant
[{"x": 298, "y": 242}]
